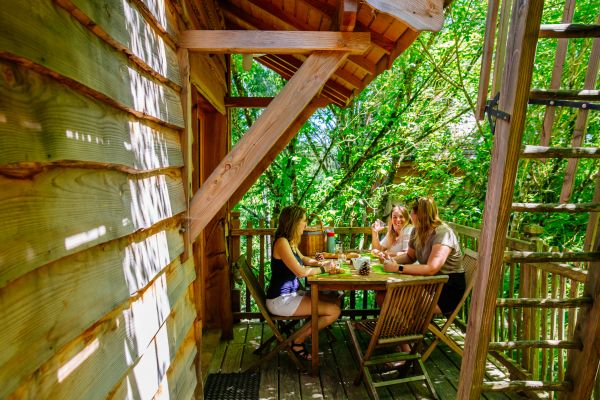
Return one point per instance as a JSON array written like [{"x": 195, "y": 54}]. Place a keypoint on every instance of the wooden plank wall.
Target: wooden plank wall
[{"x": 95, "y": 301}]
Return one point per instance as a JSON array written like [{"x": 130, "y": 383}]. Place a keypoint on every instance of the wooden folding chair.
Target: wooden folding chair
[
  {"x": 260, "y": 298},
  {"x": 441, "y": 332},
  {"x": 407, "y": 309}
]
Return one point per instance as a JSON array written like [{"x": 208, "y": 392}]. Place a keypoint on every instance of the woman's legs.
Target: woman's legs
[{"x": 328, "y": 314}]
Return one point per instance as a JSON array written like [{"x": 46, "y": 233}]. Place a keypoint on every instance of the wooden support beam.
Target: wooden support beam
[
  {"x": 274, "y": 42},
  {"x": 420, "y": 15},
  {"x": 262, "y": 135},
  {"x": 569, "y": 31},
  {"x": 556, "y": 207},
  {"x": 347, "y": 15},
  {"x": 516, "y": 83},
  {"x": 248, "y": 102},
  {"x": 560, "y": 152},
  {"x": 554, "y": 256}
]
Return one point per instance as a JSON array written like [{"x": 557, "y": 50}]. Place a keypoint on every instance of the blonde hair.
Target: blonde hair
[
  {"x": 427, "y": 217},
  {"x": 287, "y": 227},
  {"x": 404, "y": 211}
]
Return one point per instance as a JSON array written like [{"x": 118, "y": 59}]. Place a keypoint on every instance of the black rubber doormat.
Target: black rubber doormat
[{"x": 242, "y": 386}]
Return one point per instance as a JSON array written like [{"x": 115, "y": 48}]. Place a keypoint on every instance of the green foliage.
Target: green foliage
[{"x": 343, "y": 162}]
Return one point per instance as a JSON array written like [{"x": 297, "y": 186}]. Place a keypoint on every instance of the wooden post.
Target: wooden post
[
  {"x": 514, "y": 97},
  {"x": 234, "y": 254},
  {"x": 249, "y": 258}
]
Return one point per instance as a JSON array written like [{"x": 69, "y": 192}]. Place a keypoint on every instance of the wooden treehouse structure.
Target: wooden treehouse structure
[{"x": 117, "y": 176}]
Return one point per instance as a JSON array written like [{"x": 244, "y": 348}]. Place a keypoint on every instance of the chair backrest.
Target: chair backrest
[
  {"x": 253, "y": 286},
  {"x": 469, "y": 263},
  {"x": 408, "y": 308}
]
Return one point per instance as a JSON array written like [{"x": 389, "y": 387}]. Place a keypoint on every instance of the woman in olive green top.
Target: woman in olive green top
[{"x": 435, "y": 246}]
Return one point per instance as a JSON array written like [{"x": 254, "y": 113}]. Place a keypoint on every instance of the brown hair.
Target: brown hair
[
  {"x": 427, "y": 217},
  {"x": 287, "y": 227}
]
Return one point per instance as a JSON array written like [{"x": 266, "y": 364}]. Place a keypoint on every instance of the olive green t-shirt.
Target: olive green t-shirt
[{"x": 444, "y": 235}]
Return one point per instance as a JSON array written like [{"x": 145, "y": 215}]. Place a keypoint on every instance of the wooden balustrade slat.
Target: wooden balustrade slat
[{"x": 544, "y": 303}]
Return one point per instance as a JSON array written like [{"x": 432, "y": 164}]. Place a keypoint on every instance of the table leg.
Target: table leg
[{"x": 314, "y": 297}]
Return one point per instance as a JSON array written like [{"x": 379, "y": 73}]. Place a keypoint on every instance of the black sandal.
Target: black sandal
[{"x": 300, "y": 351}]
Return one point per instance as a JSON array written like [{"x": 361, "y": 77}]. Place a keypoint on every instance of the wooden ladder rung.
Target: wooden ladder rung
[
  {"x": 519, "y": 386},
  {"x": 544, "y": 303},
  {"x": 559, "y": 152},
  {"x": 556, "y": 207},
  {"x": 555, "y": 256},
  {"x": 565, "y": 31},
  {"x": 538, "y": 344},
  {"x": 559, "y": 94}
]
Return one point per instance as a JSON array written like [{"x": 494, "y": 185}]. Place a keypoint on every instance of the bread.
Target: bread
[
  {"x": 335, "y": 271},
  {"x": 348, "y": 255}
]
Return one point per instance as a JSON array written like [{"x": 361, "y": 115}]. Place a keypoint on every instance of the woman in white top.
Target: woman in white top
[{"x": 397, "y": 236}]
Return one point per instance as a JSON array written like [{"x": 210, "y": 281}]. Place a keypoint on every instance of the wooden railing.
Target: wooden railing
[{"x": 529, "y": 337}]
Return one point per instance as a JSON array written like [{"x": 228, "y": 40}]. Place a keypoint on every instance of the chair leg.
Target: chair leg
[
  {"x": 430, "y": 349},
  {"x": 428, "y": 380}
]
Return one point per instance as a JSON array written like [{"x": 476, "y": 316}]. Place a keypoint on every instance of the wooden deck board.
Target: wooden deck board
[{"x": 281, "y": 380}]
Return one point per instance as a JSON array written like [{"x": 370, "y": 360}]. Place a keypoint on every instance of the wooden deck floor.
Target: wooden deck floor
[{"x": 281, "y": 380}]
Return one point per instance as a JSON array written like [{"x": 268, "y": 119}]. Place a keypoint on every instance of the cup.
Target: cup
[{"x": 379, "y": 225}]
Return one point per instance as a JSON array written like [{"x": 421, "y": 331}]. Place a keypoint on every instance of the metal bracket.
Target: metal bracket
[{"x": 493, "y": 113}]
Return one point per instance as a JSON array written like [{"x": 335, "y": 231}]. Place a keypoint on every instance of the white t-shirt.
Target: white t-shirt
[{"x": 401, "y": 243}]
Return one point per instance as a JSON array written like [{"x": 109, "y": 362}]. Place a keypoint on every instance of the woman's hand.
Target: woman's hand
[
  {"x": 328, "y": 265},
  {"x": 390, "y": 266}
]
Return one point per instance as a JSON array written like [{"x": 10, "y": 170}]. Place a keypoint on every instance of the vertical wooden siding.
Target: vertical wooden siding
[{"x": 94, "y": 300}]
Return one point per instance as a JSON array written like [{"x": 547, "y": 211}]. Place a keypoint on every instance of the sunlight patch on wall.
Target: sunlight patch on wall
[
  {"x": 83, "y": 137},
  {"x": 150, "y": 201},
  {"x": 143, "y": 42},
  {"x": 149, "y": 147},
  {"x": 146, "y": 316},
  {"x": 82, "y": 238},
  {"x": 158, "y": 10},
  {"x": 148, "y": 97},
  {"x": 144, "y": 260},
  {"x": 151, "y": 367},
  {"x": 76, "y": 361}
]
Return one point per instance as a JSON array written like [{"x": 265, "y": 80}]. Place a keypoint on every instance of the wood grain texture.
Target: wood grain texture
[
  {"x": 274, "y": 42},
  {"x": 46, "y": 122},
  {"x": 36, "y": 33},
  {"x": 259, "y": 139},
  {"x": 125, "y": 28},
  {"x": 516, "y": 83},
  {"x": 60, "y": 212},
  {"x": 94, "y": 362},
  {"x": 48, "y": 308},
  {"x": 204, "y": 76},
  {"x": 421, "y": 15}
]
